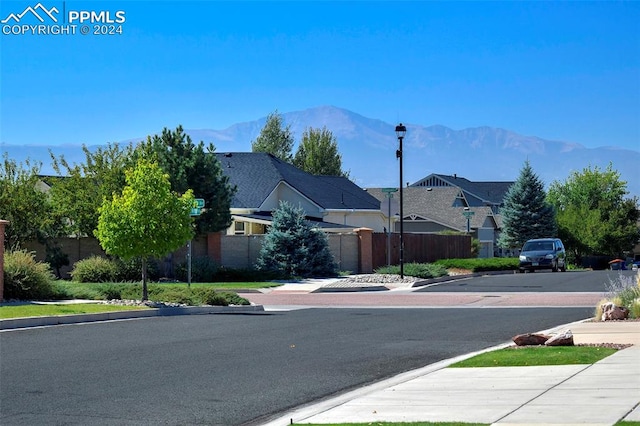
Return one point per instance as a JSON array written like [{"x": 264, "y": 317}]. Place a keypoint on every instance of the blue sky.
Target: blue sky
[{"x": 566, "y": 71}]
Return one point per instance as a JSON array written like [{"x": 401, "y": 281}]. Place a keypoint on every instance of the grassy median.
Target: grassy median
[{"x": 39, "y": 310}]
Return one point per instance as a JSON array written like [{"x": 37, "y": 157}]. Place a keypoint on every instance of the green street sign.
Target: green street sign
[
  {"x": 389, "y": 190},
  {"x": 468, "y": 214},
  {"x": 195, "y": 211},
  {"x": 199, "y": 203}
]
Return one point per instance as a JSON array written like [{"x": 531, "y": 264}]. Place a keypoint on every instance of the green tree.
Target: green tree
[
  {"x": 24, "y": 205},
  {"x": 594, "y": 217},
  {"x": 526, "y": 214},
  {"x": 147, "y": 219},
  {"x": 77, "y": 191},
  {"x": 318, "y": 153},
  {"x": 194, "y": 167},
  {"x": 275, "y": 139},
  {"x": 292, "y": 247}
]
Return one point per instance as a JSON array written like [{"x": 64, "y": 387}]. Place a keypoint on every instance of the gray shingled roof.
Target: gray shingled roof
[
  {"x": 437, "y": 204},
  {"x": 257, "y": 174},
  {"x": 488, "y": 191}
]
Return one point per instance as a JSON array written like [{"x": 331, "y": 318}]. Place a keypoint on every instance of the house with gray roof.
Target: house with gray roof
[
  {"x": 483, "y": 193},
  {"x": 331, "y": 203},
  {"x": 443, "y": 203}
]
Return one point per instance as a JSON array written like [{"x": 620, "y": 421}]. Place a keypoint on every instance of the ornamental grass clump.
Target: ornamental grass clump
[
  {"x": 623, "y": 291},
  {"x": 25, "y": 278}
]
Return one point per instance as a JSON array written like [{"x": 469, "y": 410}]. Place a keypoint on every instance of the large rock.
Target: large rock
[
  {"x": 611, "y": 311},
  {"x": 530, "y": 339},
  {"x": 564, "y": 338}
]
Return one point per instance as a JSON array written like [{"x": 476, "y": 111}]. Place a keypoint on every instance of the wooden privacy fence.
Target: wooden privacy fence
[
  {"x": 358, "y": 252},
  {"x": 420, "y": 248}
]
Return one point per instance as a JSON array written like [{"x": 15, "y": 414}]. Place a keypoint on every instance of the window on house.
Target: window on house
[{"x": 238, "y": 228}]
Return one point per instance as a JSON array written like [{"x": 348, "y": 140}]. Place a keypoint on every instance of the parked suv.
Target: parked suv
[{"x": 543, "y": 253}]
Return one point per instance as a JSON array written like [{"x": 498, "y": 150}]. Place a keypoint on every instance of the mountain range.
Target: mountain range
[{"x": 368, "y": 148}]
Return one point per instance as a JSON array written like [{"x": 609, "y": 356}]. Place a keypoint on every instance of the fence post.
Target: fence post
[
  {"x": 3, "y": 223},
  {"x": 214, "y": 247},
  {"x": 365, "y": 250}
]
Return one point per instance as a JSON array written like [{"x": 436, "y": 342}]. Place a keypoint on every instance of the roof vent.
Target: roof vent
[{"x": 228, "y": 154}]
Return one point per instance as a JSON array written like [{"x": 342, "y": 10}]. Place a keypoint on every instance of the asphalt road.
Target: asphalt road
[
  {"x": 539, "y": 281},
  {"x": 233, "y": 369}
]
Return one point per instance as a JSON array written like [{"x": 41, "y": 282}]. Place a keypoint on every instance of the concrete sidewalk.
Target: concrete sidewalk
[{"x": 598, "y": 394}]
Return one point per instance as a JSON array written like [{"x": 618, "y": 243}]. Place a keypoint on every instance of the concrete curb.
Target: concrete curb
[
  {"x": 17, "y": 323},
  {"x": 422, "y": 283},
  {"x": 336, "y": 289}
]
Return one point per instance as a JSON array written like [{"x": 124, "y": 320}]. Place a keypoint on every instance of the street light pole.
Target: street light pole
[{"x": 400, "y": 132}]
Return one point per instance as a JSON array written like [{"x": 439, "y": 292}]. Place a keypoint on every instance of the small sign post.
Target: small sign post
[
  {"x": 195, "y": 211},
  {"x": 468, "y": 214}
]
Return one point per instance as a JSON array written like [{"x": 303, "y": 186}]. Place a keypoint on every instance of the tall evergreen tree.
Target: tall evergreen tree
[
  {"x": 526, "y": 214},
  {"x": 194, "y": 167},
  {"x": 318, "y": 153},
  {"x": 275, "y": 139},
  {"x": 293, "y": 248}
]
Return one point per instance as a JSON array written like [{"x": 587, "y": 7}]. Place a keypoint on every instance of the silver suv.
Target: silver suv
[{"x": 543, "y": 253}]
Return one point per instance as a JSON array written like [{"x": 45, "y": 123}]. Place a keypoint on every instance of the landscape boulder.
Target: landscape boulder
[
  {"x": 611, "y": 311},
  {"x": 564, "y": 338},
  {"x": 530, "y": 339}
]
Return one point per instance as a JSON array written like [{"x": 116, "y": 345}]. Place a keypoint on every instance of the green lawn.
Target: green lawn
[
  {"x": 537, "y": 355},
  {"x": 36, "y": 310}
]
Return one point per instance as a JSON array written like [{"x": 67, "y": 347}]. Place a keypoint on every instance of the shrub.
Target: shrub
[
  {"x": 230, "y": 275},
  {"x": 94, "y": 269},
  {"x": 208, "y": 296},
  {"x": 481, "y": 265},
  {"x": 182, "y": 295},
  {"x": 25, "y": 278},
  {"x": 418, "y": 270},
  {"x": 131, "y": 270},
  {"x": 70, "y": 290},
  {"x": 112, "y": 291},
  {"x": 623, "y": 291},
  {"x": 234, "y": 299},
  {"x": 203, "y": 270}
]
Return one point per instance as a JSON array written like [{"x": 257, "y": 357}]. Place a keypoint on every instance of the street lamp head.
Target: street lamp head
[{"x": 401, "y": 130}]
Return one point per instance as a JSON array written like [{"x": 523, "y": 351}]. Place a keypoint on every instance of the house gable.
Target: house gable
[
  {"x": 285, "y": 192},
  {"x": 477, "y": 193}
]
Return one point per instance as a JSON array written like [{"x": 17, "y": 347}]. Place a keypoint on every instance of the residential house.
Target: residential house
[
  {"x": 332, "y": 203},
  {"x": 442, "y": 203}
]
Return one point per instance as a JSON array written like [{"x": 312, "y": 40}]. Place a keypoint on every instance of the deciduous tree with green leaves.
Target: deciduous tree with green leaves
[
  {"x": 26, "y": 207},
  {"x": 194, "y": 167},
  {"x": 147, "y": 219},
  {"x": 275, "y": 138},
  {"x": 318, "y": 153},
  {"x": 77, "y": 191},
  {"x": 594, "y": 217},
  {"x": 526, "y": 213},
  {"x": 293, "y": 248}
]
